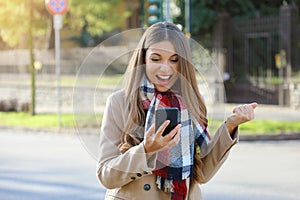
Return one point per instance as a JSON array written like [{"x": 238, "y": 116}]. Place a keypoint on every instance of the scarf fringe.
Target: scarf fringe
[
  {"x": 177, "y": 189},
  {"x": 165, "y": 185}
]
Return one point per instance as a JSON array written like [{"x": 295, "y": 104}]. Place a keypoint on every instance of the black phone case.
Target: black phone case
[{"x": 163, "y": 114}]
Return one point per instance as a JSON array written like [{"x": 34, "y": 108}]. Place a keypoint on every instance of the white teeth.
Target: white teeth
[{"x": 164, "y": 77}]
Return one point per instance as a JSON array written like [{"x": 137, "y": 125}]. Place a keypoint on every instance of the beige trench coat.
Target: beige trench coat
[{"x": 128, "y": 176}]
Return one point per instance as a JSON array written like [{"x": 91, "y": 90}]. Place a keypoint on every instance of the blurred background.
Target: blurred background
[
  {"x": 54, "y": 82},
  {"x": 255, "y": 45}
]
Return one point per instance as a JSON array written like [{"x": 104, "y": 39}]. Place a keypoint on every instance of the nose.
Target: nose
[{"x": 165, "y": 67}]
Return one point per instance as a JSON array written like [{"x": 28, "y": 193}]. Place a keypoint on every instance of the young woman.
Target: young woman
[{"x": 135, "y": 160}]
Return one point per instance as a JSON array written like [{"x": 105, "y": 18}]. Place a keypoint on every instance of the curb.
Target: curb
[
  {"x": 40, "y": 130},
  {"x": 242, "y": 137},
  {"x": 270, "y": 137}
]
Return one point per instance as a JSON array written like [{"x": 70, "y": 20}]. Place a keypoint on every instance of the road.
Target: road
[
  {"x": 52, "y": 166},
  {"x": 258, "y": 171}
]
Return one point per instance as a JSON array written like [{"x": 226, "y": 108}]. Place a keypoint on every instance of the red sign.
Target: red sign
[{"x": 57, "y": 7}]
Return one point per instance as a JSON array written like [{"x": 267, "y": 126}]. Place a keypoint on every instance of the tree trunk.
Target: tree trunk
[
  {"x": 51, "y": 40},
  {"x": 31, "y": 54}
]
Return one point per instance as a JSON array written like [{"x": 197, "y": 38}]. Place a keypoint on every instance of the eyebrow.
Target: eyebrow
[{"x": 160, "y": 55}]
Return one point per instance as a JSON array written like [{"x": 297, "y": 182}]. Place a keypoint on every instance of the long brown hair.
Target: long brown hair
[{"x": 135, "y": 71}]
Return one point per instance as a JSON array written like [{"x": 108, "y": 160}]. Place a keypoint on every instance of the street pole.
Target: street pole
[
  {"x": 168, "y": 11},
  {"x": 188, "y": 17},
  {"x": 57, "y": 8},
  {"x": 57, "y": 21}
]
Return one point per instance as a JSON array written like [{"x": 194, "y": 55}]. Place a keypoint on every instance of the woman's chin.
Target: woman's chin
[{"x": 162, "y": 88}]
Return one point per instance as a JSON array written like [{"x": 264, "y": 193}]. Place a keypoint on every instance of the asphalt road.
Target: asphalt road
[{"x": 51, "y": 166}]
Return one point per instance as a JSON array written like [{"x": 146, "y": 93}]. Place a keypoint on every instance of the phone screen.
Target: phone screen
[{"x": 163, "y": 114}]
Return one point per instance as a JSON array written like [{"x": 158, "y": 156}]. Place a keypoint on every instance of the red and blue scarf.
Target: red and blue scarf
[{"x": 174, "y": 165}]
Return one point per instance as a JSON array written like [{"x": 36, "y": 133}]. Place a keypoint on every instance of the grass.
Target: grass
[
  {"x": 91, "y": 80},
  {"x": 69, "y": 81},
  {"x": 270, "y": 127},
  {"x": 25, "y": 120},
  {"x": 263, "y": 126},
  {"x": 67, "y": 120}
]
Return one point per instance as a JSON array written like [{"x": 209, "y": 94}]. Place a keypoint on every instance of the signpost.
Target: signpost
[{"x": 57, "y": 8}]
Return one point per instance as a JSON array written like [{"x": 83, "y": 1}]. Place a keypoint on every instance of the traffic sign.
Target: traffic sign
[{"x": 57, "y": 7}]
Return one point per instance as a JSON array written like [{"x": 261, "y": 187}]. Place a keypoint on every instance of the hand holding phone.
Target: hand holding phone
[{"x": 163, "y": 114}]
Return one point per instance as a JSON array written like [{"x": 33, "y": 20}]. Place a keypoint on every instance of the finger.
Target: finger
[
  {"x": 175, "y": 140},
  {"x": 150, "y": 131},
  {"x": 177, "y": 137},
  {"x": 246, "y": 113},
  {"x": 254, "y": 105},
  {"x": 174, "y": 132},
  {"x": 237, "y": 108},
  {"x": 249, "y": 109},
  {"x": 245, "y": 107},
  {"x": 172, "y": 143},
  {"x": 161, "y": 129}
]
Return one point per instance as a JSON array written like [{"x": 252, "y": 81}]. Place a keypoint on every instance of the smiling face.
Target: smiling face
[{"x": 162, "y": 65}]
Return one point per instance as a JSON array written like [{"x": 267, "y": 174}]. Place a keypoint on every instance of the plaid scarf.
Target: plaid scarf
[{"x": 174, "y": 165}]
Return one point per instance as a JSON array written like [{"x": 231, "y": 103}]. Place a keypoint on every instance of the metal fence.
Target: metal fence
[{"x": 250, "y": 48}]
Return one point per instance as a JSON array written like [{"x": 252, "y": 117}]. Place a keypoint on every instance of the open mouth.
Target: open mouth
[{"x": 164, "y": 78}]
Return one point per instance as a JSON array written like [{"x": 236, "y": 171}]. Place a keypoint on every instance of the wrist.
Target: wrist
[
  {"x": 230, "y": 126},
  {"x": 147, "y": 150}
]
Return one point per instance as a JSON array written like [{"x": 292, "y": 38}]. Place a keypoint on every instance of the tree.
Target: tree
[
  {"x": 29, "y": 18},
  {"x": 19, "y": 18},
  {"x": 31, "y": 55},
  {"x": 204, "y": 12},
  {"x": 14, "y": 23},
  {"x": 94, "y": 17}
]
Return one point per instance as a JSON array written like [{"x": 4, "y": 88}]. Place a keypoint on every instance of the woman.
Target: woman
[{"x": 136, "y": 161}]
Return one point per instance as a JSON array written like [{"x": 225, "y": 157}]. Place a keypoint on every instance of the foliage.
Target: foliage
[
  {"x": 14, "y": 20},
  {"x": 95, "y": 17},
  {"x": 204, "y": 12}
]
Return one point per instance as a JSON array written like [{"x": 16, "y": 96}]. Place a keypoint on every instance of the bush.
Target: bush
[{"x": 12, "y": 105}]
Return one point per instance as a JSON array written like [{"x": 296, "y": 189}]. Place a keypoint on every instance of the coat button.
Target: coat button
[
  {"x": 132, "y": 178},
  {"x": 147, "y": 187},
  {"x": 139, "y": 174}
]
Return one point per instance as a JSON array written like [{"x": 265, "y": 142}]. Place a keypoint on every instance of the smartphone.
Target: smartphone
[{"x": 163, "y": 114}]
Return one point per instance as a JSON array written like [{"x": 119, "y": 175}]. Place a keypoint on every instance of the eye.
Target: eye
[
  {"x": 154, "y": 59},
  {"x": 174, "y": 60}
]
